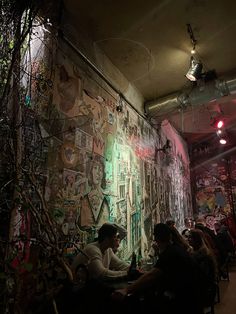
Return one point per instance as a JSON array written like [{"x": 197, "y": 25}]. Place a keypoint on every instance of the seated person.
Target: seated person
[
  {"x": 203, "y": 254},
  {"x": 101, "y": 261},
  {"x": 226, "y": 249},
  {"x": 174, "y": 281},
  {"x": 224, "y": 241},
  {"x": 185, "y": 233},
  {"x": 207, "y": 263},
  {"x": 122, "y": 232}
]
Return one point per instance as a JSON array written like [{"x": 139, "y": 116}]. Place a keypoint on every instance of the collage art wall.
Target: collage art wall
[
  {"x": 105, "y": 164},
  {"x": 215, "y": 186}
]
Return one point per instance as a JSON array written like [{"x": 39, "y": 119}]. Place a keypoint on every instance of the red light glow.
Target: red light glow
[{"x": 220, "y": 124}]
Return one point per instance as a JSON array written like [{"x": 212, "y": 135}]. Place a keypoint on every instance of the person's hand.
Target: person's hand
[
  {"x": 119, "y": 295},
  {"x": 140, "y": 270},
  {"x": 134, "y": 274}
]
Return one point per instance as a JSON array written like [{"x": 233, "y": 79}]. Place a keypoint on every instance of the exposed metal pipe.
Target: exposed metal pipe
[{"x": 200, "y": 94}]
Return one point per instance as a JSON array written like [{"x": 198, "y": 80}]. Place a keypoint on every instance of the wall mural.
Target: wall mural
[
  {"x": 104, "y": 165},
  {"x": 215, "y": 192}
]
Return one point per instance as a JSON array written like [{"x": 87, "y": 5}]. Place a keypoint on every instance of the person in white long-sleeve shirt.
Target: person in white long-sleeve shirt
[{"x": 99, "y": 257}]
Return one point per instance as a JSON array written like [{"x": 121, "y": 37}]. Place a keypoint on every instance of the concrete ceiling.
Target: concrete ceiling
[{"x": 149, "y": 43}]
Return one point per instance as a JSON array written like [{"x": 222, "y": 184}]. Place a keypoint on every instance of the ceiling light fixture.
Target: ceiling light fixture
[
  {"x": 195, "y": 70},
  {"x": 192, "y": 38},
  {"x": 220, "y": 132},
  {"x": 220, "y": 124},
  {"x": 217, "y": 123},
  {"x": 223, "y": 141}
]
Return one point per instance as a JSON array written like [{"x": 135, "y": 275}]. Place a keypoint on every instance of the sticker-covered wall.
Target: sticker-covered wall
[
  {"x": 106, "y": 163},
  {"x": 215, "y": 188}
]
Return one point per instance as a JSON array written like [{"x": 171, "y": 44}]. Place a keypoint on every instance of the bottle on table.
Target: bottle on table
[{"x": 133, "y": 265}]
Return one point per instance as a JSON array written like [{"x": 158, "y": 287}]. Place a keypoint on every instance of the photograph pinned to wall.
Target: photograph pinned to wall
[
  {"x": 71, "y": 209},
  {"x": 83, "y": 140},
  {"x": 69, "y": 179},
  {"x": 69, "y": 154},
  {"x": 75, "y": 184}
]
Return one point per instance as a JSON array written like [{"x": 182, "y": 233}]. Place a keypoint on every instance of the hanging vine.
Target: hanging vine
[{"x": 30, "y": 240}]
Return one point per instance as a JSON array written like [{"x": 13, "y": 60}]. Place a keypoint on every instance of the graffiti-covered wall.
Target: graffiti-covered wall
[
  {"x": 106, "y": 163},
  {"x": 214, "y": 188}
]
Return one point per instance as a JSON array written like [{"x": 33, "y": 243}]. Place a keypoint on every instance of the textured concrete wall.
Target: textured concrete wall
[{"x": 83, "y": 43}]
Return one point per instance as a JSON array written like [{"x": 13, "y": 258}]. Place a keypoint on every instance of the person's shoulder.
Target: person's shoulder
[
  {"x": 111, "y": 253},
  {"x": 92, "y": 247}
]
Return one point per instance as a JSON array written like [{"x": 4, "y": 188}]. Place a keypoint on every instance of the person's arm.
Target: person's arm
[
  {"x": 146, "y": 281},
  {"x": 98, "y": 270},
  {"x": 118, "y": 264}
]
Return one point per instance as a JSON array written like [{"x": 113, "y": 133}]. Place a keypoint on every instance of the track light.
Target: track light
[
  {"x": 193, "y": 51},
  {"x": 217, "y": 124},
  {"x": 223, "y": 141},
  {"x": 195, "y": 70},
  {"x": 221, "y": 133},
  {"x": 220, "y": 124}
]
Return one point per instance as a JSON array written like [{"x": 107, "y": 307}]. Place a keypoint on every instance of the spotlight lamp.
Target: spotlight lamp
[
  {"x": 223, "y": 141},
  {"x": 193, "y": 51},
  {"x": 195, "y": 70},
  {"x": 192, "y": 38},
  {"x": 218, "y": 124},
  {"x": 222, "y": 135}
]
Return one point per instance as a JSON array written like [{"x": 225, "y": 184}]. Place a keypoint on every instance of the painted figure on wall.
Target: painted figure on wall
[
  {"x": 69, "y": 90},
  {"x": 94, "y": 205}
]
